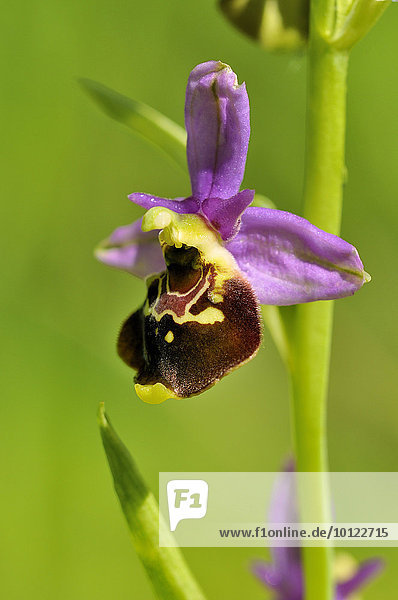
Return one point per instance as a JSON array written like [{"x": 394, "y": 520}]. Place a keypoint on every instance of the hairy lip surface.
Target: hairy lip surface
[{"x": 184, "y": 339}]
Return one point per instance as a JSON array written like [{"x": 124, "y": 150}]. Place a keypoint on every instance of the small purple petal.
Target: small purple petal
[
  {"x": 283, "y": 504},
  {"x": 288, "y": 586},
  {"x": 290, "y": 261},
  {"x": 224, "y": 214},
  {"x": 179, "y": 205},
  {"x": 266, "y": 573},
  {"x": 283, "y": 509},
  {"x": 285, "y": 574},
  {"x": 133, "y": 250},
  {"x": 367, "y": 570},
  {"x": 217, "y": 120}
]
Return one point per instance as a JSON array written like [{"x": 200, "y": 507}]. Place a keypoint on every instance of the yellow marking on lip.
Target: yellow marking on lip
[
  {"x": 209, "y": 316},
  {"x": 169, "y": 337},
  {"x": 191, "y": 230},
  {"x": 154, "y": 394},
  {"x": 215, "y": 297}
]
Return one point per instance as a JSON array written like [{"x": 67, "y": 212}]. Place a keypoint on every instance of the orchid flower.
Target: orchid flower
[
  {"x": 285, "y": 574},
  {"x": 210, "y": 258}
]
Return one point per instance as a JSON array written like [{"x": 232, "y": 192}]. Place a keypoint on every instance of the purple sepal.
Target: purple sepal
[
  {"x": 366, "y": 570},
  {"x": 283, "y": 509},
  {"x": 288, "y": 585},
  {"x": 132, "y": 250},
  {"x": 285, "y": 574},
  {"x": 225, "y": 214},
  {"x": 178, "y": 205},
  {"x": 217, "y": 120},
  {"x": 290, "y": 261},
  {"x": 266, "y": 573}
]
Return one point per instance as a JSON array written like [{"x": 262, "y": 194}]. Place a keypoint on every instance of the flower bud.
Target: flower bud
[{"x": 275, "y": 24}]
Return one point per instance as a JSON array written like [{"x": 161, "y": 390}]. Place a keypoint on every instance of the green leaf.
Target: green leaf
[
  {"x": 166, "y": 567},
  {"x": 140, "y": 118}
]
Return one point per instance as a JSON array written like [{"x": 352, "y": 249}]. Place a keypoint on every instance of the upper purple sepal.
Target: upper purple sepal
[
  {"x": 217, "y": 120},
  {"x": 290, "y": 261}
]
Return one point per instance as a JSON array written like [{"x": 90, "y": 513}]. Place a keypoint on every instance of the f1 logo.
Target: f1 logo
[{"x": 187, "y": 499}]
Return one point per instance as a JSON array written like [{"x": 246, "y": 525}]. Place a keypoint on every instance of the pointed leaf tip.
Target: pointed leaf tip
[
  {"x": 167, "y": 570},
  {"x": 101, "y": 415}
]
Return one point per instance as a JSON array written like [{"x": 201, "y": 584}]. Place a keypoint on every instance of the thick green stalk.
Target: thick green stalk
[{"x": 313, "y": 325}]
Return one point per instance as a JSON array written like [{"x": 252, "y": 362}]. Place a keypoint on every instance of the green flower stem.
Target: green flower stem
[
  {"x": 313, "y": 322},
  {"x": 166, "y": 567},
  {"x": 278, "y": 328}
]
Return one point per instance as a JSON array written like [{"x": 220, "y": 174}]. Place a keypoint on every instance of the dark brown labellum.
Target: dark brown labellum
[{"x": 195, "y": 326}]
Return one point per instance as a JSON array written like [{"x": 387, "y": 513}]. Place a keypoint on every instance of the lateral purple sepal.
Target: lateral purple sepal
[
  {"x": 266, "y": 573},
  {"x": 225, "y": 214},
  {"x": 132, "y": 250},
  {"x": 284, "y": 575},
  {"x": 287, "y": 584},
  {"x": 366, "y": 570},
  {"x": 290, "y": 261},
  {"x": 217, "y": 120},
  {"x": 179, "y": 205},
  {"x": 283, "y": 509}
]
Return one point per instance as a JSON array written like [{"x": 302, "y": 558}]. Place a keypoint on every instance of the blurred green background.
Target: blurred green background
[{"x": 66, "y": 172}]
